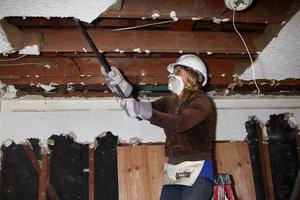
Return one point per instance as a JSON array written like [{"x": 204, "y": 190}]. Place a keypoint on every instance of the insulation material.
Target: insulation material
[
  {"x": 281, "y": 57},
  {"x": 106, "y": 167},
  {"x": 13, "y": 39},
  {"x": 69, "y": 169},
  {"x": 283, "y": 154},
  {"x": 30, "y": 50},
  {"x": 68, "y": 159},
  {"x": 20, "y": 180},
  {"x": 84, "y": 10},
  {"x": 255, "y": 156}
]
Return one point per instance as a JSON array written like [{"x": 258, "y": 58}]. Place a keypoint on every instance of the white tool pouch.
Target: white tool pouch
[{"x": 184, "y": 173}]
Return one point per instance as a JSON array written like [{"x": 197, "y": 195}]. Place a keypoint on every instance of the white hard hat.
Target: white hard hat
[{"x": 193, "y": 62}]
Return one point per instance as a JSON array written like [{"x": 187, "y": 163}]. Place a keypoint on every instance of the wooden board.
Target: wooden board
[
  {"x": 233, "y": 158},
  {"x": 140, "y": 170}
]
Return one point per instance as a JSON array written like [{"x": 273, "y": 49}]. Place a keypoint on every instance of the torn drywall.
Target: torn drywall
[
  {"x": 84, "y": 10},
  {"x": 5, "y": 46},
  {"x": 281, "y": 57}
]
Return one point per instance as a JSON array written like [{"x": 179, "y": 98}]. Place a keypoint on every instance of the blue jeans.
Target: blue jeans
[{"x": 202, "y": 189}]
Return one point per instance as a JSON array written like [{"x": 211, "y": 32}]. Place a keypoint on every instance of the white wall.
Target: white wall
[{"x": 24, "y": 118}]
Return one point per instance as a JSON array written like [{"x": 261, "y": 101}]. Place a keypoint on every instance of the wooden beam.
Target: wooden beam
[
  {"x": 36, "y": 166},
  {"x": 43, "y": 179},
  {"x": 267, "y": 10},
  {"x": 91, "y": 173},
  {"x": 153, "y": 41},
  {"x": 266, "y": 164}
]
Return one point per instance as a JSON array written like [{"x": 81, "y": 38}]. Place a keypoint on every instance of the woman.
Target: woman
[{"x": 187, "y": 120}]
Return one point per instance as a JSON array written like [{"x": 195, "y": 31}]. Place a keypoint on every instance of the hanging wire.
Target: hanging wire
[
  {"x": 252, "y": 68},
  {"x": 145, "y": 25},
  {"x": 13, "y": 59}
]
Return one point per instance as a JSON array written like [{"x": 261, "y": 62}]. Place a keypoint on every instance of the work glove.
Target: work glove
[
  {"x": 114, "y": 78},
  {"x": 135, "y": 108}
]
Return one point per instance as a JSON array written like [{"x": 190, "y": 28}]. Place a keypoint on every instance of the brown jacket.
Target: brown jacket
[{"x": 188, "y": 130}]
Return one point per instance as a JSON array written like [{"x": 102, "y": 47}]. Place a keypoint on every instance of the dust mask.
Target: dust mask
[{"x": 176, "y": 84}]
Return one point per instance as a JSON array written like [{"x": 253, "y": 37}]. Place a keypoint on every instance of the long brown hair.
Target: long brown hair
[{"x": 191, "y": 86}]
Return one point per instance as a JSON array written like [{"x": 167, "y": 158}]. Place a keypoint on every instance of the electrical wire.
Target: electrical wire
[
  {"x": 145, "y": 25},
  {"x": 18, "y": 64},
  {"x": 13, "y": 59},
  {"x": 252, "y": 68}
]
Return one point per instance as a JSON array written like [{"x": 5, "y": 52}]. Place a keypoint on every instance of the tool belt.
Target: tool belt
[{"x": 184, "y": 173}]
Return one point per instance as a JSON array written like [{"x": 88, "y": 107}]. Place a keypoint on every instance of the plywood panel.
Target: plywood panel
[
  {"x": 140, "y": 170},
  {"x": 233, "y": 158}
]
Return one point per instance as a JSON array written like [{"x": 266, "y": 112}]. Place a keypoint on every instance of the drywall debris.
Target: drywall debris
[
  {"x": 209, "y": 53},
  {"x": 147, "y": 51},
  {"x": 223, "y": 75},
  {"x": 225, "y": 20},
  {"x": 144, "y": 18},
  {"x": 5, "y": 46},
  {"x": 7, "y": 142},
  {"x": 196, "y": 18},
  {"x": 37, "y": 76},
  {"x": 119, "y": 51},
  {"x": 46, "y": 65},
  {"x": 212, "y": 93},
  {"x": 180, "y": 51},
  {"x": 30, "y": 50},
  {"x": 84, "y": 10},
  {"x": 155, "y": 14},
  {"x": 293, "y": 123},
  {"x": 217, "y": 20},
  {"x": 72, "y": 135},
  {"x": 100, "y": 50},
  {"x": 138, "y": 50},
  {"x": 82, "y": 83},
  {"x": 53, "y": 84},
  {"x": 84, "y": 50},
  {"x": 226, "y": 92},
  {"x": 134, "y": 141},
  {"x": 283, "y": 23},
  {"x": 10, "y": 92},
  {"x": 45, "y": 87},
  {"x": 50, "y": 142},
  {"x": 173, "y": 16}
]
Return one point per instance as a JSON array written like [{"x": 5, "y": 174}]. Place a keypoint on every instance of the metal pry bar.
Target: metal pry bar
[{"x": 99, "y": 55}]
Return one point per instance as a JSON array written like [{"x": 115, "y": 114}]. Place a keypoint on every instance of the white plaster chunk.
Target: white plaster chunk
[
  {"x": 84, "y": 10},
  {"x": 173, "y": 16},
  {"x": 281, "y": 57},
  {"x": 7, "y": 142},
  {"x": 196, "y": 18},
  {"x": 138, "y": 50},
  {"x": 30, "y": 50},
  {"x": 155, "y": 14},
  {"x": 47, "y": 88},
  {"x": 5, "y": 46},
  {"x": 10, "y": 92}
]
